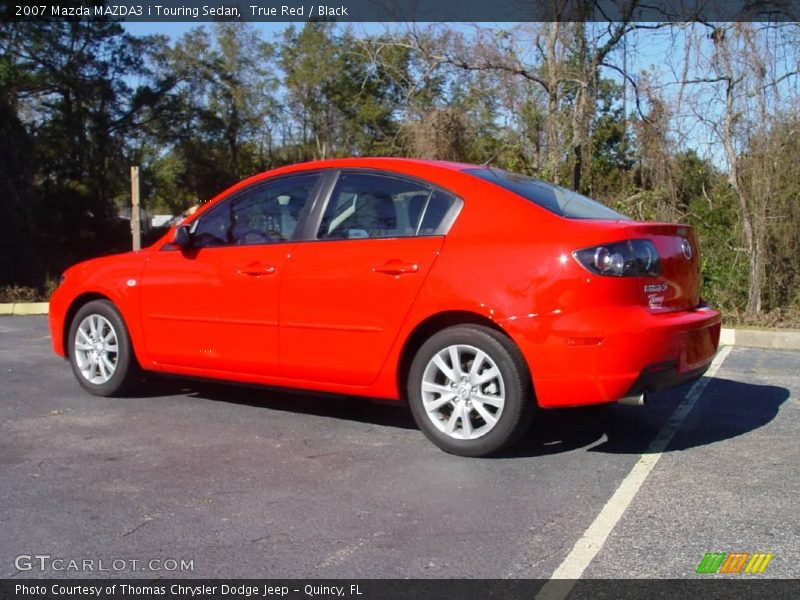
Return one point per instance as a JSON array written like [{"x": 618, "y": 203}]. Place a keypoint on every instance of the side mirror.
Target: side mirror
[{"x": 182, "y": 237}]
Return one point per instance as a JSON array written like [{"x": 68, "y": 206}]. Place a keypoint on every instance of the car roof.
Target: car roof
[
  {"x": 403, "y": 165},
  {"x": 379, "y": 161}
]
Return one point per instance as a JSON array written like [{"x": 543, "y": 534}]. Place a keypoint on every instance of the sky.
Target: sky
[
  {"x": 268, "y": 30},
  {"x": 177, "y": 29}
]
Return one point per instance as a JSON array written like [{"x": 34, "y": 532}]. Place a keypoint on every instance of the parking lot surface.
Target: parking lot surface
[{"x": 249, "y": 482}]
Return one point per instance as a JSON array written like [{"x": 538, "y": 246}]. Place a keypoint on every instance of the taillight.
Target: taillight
[{"x": 631, "y": 258}]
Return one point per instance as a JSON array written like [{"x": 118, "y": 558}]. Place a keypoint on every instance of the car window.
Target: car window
[
  {"x": 365, "y": 205},
  {"x": 438, "y": 214},
  {"x": 264, "y": 213},
  {"x": 558, "y": 200}
]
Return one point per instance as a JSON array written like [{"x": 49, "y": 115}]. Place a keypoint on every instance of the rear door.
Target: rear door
[{"x": 347, "y": 290}]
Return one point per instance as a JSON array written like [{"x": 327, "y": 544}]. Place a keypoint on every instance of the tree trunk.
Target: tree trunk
[
  {"x": 584, "y": 103},
  {"x": 551, "y": 64},
  {"x": 754, "y": 246},
  {"x": 755, "y": 291}
]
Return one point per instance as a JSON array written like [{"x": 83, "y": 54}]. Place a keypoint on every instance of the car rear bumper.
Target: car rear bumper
[
  {"x": 662, "y": 376},
  {"x": 615, "y": 353}
]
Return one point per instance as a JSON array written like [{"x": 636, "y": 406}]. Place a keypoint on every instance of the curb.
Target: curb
[
  {"x": 774, "y": 339},
  {"x": 24, "y": 308}
]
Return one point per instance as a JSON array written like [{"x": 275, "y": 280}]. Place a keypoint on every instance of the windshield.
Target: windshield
[{"x": 558, "y": 200}]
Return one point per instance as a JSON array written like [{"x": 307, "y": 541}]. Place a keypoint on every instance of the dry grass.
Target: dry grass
[
  {"x": 18, "y": 293},
  {"x": 775, "y": 319}
]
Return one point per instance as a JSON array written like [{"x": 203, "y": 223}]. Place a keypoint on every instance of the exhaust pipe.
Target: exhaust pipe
[{"x": 636, "y": 400}]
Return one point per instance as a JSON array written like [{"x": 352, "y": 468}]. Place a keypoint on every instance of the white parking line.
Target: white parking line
[{"x": 587, "y": 547}]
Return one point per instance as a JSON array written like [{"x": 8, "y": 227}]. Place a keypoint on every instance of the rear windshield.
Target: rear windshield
[{"x": 558, "y": 200}]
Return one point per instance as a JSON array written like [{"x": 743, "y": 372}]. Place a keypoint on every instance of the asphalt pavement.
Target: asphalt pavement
[{"x": 257, "y": 483}]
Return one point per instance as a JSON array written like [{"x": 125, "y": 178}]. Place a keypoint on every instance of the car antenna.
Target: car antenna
[{"x": 493, "y": 156}]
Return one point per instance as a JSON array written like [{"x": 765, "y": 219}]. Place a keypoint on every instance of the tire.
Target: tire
[
  {"x": 490, "y": 406},
  {"x": 99, "y": 368}
]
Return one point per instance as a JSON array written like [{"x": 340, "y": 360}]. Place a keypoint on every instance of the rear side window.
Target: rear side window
[
  {"x": 558, "y": 200},
  {"x": 438, "y": 214},
  {"x": 365, "y": 205}
]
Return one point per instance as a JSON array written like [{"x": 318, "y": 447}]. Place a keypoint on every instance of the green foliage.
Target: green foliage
[
  {"x": 341, "y": 100},
  {"x": 771, "y": 167},
  {"x": 214, "y": 121},
  {"x": 724, "y": 261}
]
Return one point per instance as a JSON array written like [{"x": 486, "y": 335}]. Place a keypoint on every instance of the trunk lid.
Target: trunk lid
[{"x": 678, "y": 285}]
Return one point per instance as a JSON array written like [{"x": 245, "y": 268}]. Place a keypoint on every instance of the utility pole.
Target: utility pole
[{"x": 136, "y": 226}]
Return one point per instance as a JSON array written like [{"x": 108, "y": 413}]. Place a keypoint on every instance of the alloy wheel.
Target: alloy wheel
[
  {"x": 96, "y": 349},
  {"x": 463, "y": 392}
]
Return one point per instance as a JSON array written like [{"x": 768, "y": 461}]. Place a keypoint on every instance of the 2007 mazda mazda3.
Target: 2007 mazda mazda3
[{"x": 475, "y": 294}]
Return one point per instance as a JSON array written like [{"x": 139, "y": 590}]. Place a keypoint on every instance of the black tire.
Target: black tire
[
  {"x": 126, "y": 370},
  {"x": 517, "y": 410}
]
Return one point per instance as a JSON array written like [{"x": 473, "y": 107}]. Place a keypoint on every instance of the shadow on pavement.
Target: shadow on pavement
[
  {"x": 726, "y": 409},
  {"x": 350, "y": 408}
]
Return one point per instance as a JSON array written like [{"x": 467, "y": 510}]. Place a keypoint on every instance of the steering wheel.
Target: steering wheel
[{"x": 255, "y": 236}]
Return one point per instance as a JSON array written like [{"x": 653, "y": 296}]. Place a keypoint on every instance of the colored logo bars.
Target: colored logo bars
[{"x": 734, "y": 562}]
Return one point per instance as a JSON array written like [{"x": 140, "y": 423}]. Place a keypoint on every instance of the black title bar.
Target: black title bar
[{"x": 403, "y": 10}]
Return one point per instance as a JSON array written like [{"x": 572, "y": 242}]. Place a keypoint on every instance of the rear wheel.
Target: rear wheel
[
  {"x": 470, "y": 391},
  {"x": 100, "y": 350}
]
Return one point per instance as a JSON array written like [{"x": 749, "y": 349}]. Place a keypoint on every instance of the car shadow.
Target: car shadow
[
  {"x": 350, "y": 408},
  {"x": 726, "y": 409}
]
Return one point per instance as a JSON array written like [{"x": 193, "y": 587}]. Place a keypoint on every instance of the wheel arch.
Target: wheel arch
[{"x": 435, "y": 323}]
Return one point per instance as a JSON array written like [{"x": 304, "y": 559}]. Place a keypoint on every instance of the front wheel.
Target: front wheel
[
  {"x": 470, "y": 391},
  {"x": 100, "y": 350}
]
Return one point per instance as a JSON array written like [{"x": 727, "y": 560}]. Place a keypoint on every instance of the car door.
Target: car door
[
  {"x": 214, "y": 306},
  {"x": 346, "y": 291}
]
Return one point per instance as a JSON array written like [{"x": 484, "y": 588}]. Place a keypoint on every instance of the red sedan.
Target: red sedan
[{"x": 473, "y": 293}]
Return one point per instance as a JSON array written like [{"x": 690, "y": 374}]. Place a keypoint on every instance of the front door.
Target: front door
[{"x": 215, "y": 306}]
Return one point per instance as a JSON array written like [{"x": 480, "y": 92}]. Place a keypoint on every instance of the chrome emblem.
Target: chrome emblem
[{"x": 686, "y": 248}]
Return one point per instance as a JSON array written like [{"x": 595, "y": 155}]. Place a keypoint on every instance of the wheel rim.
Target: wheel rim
[
  {"x": 96, "y": 349},
  {"x": 463, "y": 392}
]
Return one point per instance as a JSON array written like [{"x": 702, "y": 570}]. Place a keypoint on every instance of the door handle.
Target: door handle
[
  {"x": 255, "y": 269},
  {"x": 396, "y": 267}
]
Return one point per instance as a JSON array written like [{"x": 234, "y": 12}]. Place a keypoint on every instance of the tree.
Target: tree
[
  {"x": 66, "y": 84},
  {"x": 565, "y": 63},
  {"x": 738, "y": 65},
  {"x": 340, "y": 99},
  {"x": 220, "y": 117}
]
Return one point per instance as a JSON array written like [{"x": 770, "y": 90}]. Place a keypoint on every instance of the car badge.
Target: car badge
[{"x": 686, "y": 248}]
